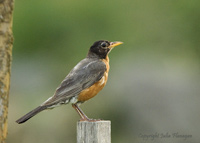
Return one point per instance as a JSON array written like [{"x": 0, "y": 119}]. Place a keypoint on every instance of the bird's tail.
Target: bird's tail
[{"x": 31, "y": 114}]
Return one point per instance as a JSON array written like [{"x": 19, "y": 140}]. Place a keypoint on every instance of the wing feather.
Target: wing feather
[{"x": 83, "y": 75}]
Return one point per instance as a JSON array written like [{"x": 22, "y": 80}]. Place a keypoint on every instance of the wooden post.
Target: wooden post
[{"x": 94, "y": 132}]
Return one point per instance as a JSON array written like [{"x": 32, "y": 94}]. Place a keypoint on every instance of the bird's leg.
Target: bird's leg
[{"x": 81, "y": 113}]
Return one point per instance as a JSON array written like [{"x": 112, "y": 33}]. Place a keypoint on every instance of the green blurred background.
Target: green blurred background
[{"x": 154, "y": 80}]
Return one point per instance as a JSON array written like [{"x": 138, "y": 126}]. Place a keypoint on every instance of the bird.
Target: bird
[{"x": 82, "y": 83}]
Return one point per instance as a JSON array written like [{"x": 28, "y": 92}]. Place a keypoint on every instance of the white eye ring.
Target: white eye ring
[{"x": 104, "y": 45}]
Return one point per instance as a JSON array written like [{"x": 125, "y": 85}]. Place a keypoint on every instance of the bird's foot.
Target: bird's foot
[{"x": 89, "y": 120}]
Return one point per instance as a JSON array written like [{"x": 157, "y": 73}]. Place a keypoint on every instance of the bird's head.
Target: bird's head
[{"x": 102, "y": 48}]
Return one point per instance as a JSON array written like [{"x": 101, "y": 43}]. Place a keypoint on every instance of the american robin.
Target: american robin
[{"x": 83, "y": 82}]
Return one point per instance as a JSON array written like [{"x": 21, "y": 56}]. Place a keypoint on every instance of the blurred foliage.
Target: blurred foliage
[{"x": 154, "y": 78}]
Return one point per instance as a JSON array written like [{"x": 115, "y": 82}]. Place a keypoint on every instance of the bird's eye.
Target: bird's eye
[{"x": 104, "y": 44}]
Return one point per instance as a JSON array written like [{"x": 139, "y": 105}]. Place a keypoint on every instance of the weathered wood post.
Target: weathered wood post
[{"x": 94, "y": 132}]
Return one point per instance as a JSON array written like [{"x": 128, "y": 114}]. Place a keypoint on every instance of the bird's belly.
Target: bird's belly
[{"x": 90, "y": 92}]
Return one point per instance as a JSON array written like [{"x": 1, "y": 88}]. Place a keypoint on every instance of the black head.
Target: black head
[{"x": 101, "y": 48}]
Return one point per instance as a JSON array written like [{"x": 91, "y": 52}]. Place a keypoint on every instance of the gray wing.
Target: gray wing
[{"x": 83, "y": 75}]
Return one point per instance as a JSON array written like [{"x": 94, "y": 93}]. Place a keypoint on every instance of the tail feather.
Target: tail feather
[{"x": 31, "y": 114}]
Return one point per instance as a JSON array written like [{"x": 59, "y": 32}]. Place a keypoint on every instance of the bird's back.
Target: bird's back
[{"x": 83, "y": 76}]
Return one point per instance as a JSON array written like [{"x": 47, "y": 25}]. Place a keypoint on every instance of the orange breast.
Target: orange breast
[{"x": 93, "y": 90}]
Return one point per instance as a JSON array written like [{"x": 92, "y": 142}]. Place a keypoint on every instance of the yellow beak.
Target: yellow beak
[{"x": 114, "y": 44}]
